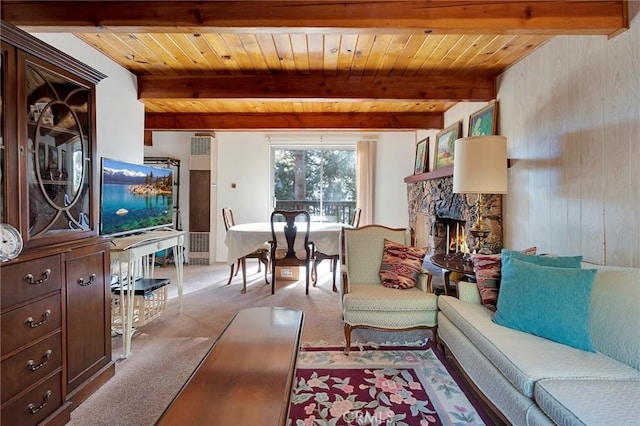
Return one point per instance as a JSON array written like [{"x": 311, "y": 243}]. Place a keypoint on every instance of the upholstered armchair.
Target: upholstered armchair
[{"x": 366, "y": 302}]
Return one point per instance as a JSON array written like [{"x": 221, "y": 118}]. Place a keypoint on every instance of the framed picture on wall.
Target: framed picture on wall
[
  {"x": 445, "y": 144},
  {"x": 485, "y": 121},
  {"x": 422, "y": 157}
]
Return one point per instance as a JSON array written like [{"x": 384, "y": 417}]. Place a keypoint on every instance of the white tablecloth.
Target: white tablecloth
[{"x": 247, "y": 237}]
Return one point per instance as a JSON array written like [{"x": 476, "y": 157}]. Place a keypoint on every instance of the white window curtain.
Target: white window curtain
[{"x": 365, "y": 179}]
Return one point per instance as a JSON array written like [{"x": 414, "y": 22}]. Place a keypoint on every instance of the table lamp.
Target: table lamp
[{"x": 480, "y": 167}]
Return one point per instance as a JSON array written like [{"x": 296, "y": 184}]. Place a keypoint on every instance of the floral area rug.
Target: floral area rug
[{"x": 379, "y": 386}]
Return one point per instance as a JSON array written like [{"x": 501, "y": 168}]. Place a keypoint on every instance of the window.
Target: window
[{"x": 320, "y": 180}]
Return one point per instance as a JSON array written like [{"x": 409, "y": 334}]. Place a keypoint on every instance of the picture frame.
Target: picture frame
[
  {"x": 484, "y": 122},
  {"x": 445, "y": 145},
  {"x": 53, "y": 157},
  {"x": 421, "y": 164}
]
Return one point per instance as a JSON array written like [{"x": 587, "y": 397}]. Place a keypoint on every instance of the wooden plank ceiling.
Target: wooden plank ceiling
[{"x": 214, "y": 65}]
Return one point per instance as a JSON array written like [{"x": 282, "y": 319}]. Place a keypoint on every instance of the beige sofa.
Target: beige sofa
[{"x": 534, "y": 381}]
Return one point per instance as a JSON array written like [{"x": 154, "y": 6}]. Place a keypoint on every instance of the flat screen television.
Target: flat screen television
[{"x": 134, "y": 198}]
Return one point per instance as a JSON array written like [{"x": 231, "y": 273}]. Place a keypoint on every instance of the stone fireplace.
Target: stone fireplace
[{"x": 442, "y": 219}]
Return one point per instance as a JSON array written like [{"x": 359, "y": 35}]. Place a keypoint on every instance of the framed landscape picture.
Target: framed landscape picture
[
  {"x": 422, "y": 157},
  {"x": 485, "y": 121},
  {"x": 444, "y": 144}
]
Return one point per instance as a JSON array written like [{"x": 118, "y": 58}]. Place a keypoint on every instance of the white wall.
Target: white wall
[
  {"x": 395, "y": 155},
  {"x": 120, "y": 116}
]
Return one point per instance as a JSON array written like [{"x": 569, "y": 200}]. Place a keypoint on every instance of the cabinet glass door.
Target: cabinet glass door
[{"x": 58, "y": 169}]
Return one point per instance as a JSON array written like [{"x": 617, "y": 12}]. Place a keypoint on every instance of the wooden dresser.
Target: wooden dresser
[{"x": 55, "y": 303}]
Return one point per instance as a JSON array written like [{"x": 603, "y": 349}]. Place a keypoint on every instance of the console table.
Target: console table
[
  {"x": 134, "y": 252},
  {"x": 247, "y": 375}
]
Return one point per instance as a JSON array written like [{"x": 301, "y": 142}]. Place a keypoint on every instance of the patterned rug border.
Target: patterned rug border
[{"x": 423, "y": 345}]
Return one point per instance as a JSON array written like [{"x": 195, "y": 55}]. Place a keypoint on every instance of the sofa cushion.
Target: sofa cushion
[
  {"x": 590, "y": 402},
  {"x": 488, "y": 271},
  {"x": 547, "y": 302},
  {"x": 375, "y": 297},
  {"x": 524, "y": 358},
  {"x": 543, "y": 260},
  {"x": 400, "y": 265}
]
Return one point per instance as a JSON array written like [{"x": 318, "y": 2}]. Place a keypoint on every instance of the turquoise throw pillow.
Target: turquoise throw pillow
[
  {"x": 554, "y": 261},
  {"x": 548, "y": 302}
]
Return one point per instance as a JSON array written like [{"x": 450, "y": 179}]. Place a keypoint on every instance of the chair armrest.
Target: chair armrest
[
  {"x": 468, "y": 292},
  {"x": 423, "y": 282}
]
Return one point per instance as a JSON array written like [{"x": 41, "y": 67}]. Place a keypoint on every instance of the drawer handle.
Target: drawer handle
[
  {"x": 31, "y": 364},
  {"x": 92, "y": 278},
  {"x": 45, "y": 316},
  {"x": 31, "y": 408},
  {"x": 31, "y": 279}
]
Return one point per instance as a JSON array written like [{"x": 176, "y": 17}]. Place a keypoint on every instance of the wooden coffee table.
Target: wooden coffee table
[
  {"x": 246, "y": 377},
  {"x": 452, "y": 263}
]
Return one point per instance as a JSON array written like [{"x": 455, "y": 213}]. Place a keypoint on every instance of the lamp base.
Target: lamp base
[{"x": 480, "y": 230}]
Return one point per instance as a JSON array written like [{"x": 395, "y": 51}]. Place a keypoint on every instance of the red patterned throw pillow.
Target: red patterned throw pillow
[
  {"x": 488, "y": 270},
  {"x": 401, "y": 265}
]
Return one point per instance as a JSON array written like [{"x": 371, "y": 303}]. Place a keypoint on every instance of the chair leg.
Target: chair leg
[
  {"x": 244, "y": 275},
  {"x": 273, "y": 277},
  {"x": 334, "y": 264},
  {"x": 266, "y": 269},
  {"x": 307, "y": 273},
  {"x": 314, "y": 272},
  {"x": 347, "y": 338},
  {"x": 238, "y": 267},
  {"x": 231, "y": 274}
]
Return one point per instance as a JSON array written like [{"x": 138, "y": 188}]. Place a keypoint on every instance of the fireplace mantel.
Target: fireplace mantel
[{"x": 436, "y": 174}]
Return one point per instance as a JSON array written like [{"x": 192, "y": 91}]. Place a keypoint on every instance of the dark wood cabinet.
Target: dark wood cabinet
[
  {"x": 88, "y": 313},
  {"x": 55, "y": 307}
]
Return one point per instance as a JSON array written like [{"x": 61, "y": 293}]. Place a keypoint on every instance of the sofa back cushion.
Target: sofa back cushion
[
  {"x": 615, "y": 313},
  {"x": 546, "y": 301}
]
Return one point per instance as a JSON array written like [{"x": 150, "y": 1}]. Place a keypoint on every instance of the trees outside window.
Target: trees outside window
[{"x": 321, "y": 181}]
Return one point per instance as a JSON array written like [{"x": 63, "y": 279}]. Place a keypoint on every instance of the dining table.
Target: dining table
[{"x": 245, "y": 238}]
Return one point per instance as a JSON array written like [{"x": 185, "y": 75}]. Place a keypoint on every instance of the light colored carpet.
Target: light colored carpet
[{"x": 167, "y": 350}]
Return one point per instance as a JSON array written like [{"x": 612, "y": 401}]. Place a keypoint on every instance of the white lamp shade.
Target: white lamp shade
[{"x": 480, "y": 165}]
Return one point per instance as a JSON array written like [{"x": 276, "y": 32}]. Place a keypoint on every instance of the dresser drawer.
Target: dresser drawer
[
  {"x": 35, "y": 405},
  {"x": 27, "y": 323},
  {"x": 26, "y": 280},
  {"x": 30, "y": 365}
]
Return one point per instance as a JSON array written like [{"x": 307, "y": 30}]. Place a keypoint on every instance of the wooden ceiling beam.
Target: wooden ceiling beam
[
  {"x": 255, "y": 121},
  {"x": 356, "y": 16},
  {"x": 318, "y": 87}
]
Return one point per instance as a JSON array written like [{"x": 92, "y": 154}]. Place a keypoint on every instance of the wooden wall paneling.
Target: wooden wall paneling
[
  {"x": 586, "y": 110},
  {"x": 578, "y": 96},
  {"x": 622, "y": 151},
  {"x": 539, "y": 134},
  {"x": 515, "y": 203},
  {"x": 558, "y": 210}
]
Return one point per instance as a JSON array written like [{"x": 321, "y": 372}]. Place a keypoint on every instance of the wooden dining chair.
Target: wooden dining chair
[
  {"x": 287, "y": 255},
  {"x": 262, "y": 254},
  {"x": 334, "y": 258}
]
